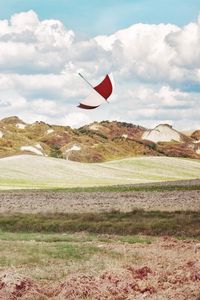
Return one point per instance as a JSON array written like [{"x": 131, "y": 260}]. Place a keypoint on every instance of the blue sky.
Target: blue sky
[{"x": 93, "y": 17}]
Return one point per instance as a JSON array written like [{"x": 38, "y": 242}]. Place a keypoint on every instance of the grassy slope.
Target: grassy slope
[{"x": 44, "y": 172}]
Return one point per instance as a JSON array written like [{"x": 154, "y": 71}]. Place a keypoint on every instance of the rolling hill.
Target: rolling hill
[
  {"x": 96, "y": 142},
  {"x": 28, "y": 171}
]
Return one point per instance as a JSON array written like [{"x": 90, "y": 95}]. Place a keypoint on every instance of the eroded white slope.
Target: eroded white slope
[
  {"x": 162, "y": 133},
  {"x": 32, "y": 149}
]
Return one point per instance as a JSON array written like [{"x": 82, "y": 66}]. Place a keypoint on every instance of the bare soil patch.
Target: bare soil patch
[{"x": 75, "y": 202}]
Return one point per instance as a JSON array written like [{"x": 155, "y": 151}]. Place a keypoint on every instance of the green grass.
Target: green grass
[
  {"x": 179, "y": 223},
  {"x": 73, "y": 238},
  {"x": 30, "y": 252},
  {"x": 133, "y": 239},
  {"x": 131, "y": 188},
  {"x": 154, "y": 187},
  {"x": 26, "y": 172},
  {"x": 45, "y": 237},
  {"x": 55, "y": 256}
]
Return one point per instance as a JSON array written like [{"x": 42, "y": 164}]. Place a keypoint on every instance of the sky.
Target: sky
[
  {"x": 94, "y": 17},
  {"x": 152, "y": 47}
]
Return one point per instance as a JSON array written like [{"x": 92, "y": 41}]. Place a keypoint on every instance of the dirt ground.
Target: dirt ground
[
  {"x": 165, "y": 269},
  {"x": 74, "y": 202}
]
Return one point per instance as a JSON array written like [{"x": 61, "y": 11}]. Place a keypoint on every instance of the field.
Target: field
[
  {"x": 84, "y": 266},
  {"x": 31, "y": 172},
  {"x": 167, "y": 196},
  {"x": 134, "y": 241}
]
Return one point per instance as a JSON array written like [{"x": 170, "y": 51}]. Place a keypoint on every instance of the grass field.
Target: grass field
[
  {"x": 178, "y": 223},
  {"x": 88, "y": 230},
  {"x": 88, "y": 266},
  {"x": 43, "y": 172},
  {"x": 37, "y": 250},
  {"x": 109, "y": 255}
]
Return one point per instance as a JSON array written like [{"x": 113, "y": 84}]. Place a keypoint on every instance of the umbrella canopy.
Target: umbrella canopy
[{"x": 98, "y": 94}]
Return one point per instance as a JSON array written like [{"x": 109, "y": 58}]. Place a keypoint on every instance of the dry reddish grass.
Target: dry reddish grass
[{"x": 166, "y": 269}]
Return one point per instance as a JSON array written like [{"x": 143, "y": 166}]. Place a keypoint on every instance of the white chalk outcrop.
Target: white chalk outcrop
[
  {"x": 198, "y": 151},
  {"x": 50, "y": 131},
  {"x": 32, "y": 149},
  {"x": 20, "y": 125},
  {"x": 162, "y": 133},
  {"x": 73, "y": 148},
  {"x": 95, "y": 126}
]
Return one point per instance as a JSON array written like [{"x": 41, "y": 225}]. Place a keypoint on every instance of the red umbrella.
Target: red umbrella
[{"x": 98, "y": 94}]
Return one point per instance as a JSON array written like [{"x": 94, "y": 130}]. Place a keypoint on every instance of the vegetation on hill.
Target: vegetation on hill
[
  {"x": 96, "y": 142},
  {"x": 196, "y": 135}
]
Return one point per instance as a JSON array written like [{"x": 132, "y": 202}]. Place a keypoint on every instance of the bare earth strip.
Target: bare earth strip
[{"x": 75, "y": 202}]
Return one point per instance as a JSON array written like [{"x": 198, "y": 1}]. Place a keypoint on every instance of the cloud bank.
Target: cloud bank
[{"x": 156, "y": 70}]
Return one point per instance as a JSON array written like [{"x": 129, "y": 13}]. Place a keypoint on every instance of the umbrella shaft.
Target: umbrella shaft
[{"x": 85, "y": 79}]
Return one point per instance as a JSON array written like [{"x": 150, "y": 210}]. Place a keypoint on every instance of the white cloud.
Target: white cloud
[
  {"x": 142, "y": 50},
  {"x": 185, "y": 43},
  {"x": 28, "y": 45},
  {"x": 24, "y": 20},
  {"x": 156, "y": 69},
  {"x": 76, "y": 119}
]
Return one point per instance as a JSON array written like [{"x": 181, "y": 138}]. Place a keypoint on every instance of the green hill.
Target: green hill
[{"x": 27, "y": 171}]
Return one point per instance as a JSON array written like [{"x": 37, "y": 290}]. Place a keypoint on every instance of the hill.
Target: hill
[
  {"x": 28, "y": 171},
  {"x": 96, "y": 142}
]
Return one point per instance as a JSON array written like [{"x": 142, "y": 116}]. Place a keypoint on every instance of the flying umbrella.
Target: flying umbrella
[{"x": 98, "y": 94}]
